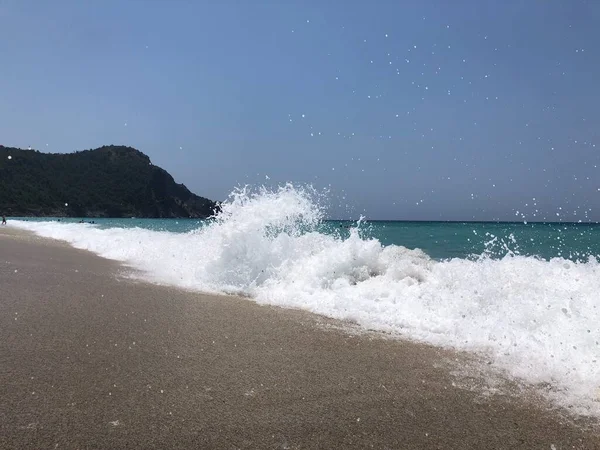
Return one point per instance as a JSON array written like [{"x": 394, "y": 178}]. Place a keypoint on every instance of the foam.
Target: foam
[{"x": 538, "y": 320}]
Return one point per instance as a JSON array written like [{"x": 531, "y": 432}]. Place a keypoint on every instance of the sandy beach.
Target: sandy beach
[{"x": 90, "y": 358}]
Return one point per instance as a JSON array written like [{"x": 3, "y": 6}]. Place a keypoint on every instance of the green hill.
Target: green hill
[{"x": 111, "y": 181}]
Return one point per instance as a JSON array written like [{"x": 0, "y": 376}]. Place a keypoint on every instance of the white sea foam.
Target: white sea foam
[{"x": 539, "y": 320}]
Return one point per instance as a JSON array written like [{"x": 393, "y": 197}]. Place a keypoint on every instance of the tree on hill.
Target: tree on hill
[{"x": 110, "y": 181}]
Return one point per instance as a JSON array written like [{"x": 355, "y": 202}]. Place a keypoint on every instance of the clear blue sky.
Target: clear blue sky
[{"x": 449, "y": 110}]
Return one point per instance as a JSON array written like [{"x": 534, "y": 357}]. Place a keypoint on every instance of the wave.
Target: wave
[{"x": 537, "y": 319}]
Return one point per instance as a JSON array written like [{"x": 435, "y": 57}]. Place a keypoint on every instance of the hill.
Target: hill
[{"x": 111, "y": 181}]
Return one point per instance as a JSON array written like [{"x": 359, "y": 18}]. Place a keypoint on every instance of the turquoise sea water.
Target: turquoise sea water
[{"x": 440, "y": 240}]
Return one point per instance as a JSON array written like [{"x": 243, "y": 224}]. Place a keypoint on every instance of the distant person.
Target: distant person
[{"x": 3, "y": 220}]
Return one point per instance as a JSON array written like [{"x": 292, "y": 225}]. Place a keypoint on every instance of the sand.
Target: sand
[{"x": 90, "y": 358}]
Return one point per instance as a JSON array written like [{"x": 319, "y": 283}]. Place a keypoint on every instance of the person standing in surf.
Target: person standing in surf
[{"x": 3, "y": 220}]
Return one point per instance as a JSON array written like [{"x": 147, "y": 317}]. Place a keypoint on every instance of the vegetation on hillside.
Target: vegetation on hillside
[{"x": 111, "y": 181}]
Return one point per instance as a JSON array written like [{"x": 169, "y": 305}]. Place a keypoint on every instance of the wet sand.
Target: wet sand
[{"x": 92, "y": 359}]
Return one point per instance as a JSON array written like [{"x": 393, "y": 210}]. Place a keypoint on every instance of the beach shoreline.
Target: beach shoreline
[{"x": 94, "y": 359}]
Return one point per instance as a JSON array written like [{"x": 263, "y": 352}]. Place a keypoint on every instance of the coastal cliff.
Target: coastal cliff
[{"x": 110, "y": 181}]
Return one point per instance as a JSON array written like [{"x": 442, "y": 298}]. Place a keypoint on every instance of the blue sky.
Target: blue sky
[{"x": 445, "y": 110}]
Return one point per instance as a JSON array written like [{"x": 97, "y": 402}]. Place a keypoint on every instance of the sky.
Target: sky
[{"x": 410, "y": 110}]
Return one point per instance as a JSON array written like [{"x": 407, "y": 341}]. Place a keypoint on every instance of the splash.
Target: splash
[{"x": 537, "y": 319}]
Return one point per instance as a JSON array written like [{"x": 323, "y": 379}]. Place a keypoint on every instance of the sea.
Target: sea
[{"x": 526, "y": 296}]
